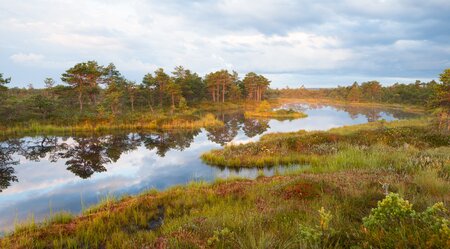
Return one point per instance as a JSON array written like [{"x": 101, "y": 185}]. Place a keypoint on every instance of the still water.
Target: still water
[{"x": 39, "y": 174}]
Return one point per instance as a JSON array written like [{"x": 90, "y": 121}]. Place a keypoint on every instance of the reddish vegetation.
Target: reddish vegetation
[
  {"x": 160, "y": 243},
  {"x": 236, "y": 188},
  {"x": 300, "y": 191}
]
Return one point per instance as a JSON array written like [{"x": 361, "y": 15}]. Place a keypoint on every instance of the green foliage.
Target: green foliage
[
  {"x": 219, "y": 236},
  {"x": 389, "y": 213},
  {"x": 182, "y": 104},
  {"x": 387, "y": 223},
  {"x": 222, "y": 85},
  {"x": 325, "y": 218},
  {"x": 254, "y": 86},
  {"x": 3, "y": 82}
]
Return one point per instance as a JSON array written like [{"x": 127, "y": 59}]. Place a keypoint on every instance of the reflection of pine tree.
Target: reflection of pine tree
[
  {"x": 87, "y": 157},
  {"x": 225, "y": 134},
  {"x": 39, "y": 148},
  {"x": 117, "y": 144},
  {"x": 6, "y": 164},
  {"x": 253, "y": 127},
  {"x": 165, "y": 141}
]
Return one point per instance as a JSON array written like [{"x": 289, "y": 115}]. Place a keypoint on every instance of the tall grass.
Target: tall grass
[{"x": 34, "y": 128}]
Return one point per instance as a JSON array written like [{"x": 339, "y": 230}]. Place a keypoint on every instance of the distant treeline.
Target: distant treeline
[
  {"x": 90, "y": 90},
  {"x": 418, "y": 93}
]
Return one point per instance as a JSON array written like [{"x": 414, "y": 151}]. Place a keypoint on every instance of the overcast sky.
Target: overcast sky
[{"x": 317, "y": 43}]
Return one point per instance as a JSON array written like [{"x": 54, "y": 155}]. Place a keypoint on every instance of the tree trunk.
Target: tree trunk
[
  {"x": 173, "y": 100},
  {"x": 259, "y": 93},
  {"x": 218, "y": 91},
  {"x": 132, "y": 104},
  {"x": 151, "y": 107},
  {"x": 448, "y": 121},
  {"x": 223, "y": 91},
  {"x": 80, "y": 100}
]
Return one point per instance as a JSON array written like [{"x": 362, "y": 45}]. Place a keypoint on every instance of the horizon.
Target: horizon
[{"x": 316, "y": 44}]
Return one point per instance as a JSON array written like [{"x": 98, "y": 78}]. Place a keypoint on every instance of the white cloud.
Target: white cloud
[
  {"x": 80, "y": 41},
  {"x": 26, "y": 57}
]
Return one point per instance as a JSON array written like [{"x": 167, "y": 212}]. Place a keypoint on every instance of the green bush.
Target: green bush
[{"x": 395, "y": 224}]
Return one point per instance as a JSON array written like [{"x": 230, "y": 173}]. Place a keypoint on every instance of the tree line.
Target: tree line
[
  {"x": 96, "y": 90},
  {"x": 417, "y": 93}
]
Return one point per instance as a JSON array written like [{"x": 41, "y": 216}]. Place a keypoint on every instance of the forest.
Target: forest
[{"x": 102, "y": 92}]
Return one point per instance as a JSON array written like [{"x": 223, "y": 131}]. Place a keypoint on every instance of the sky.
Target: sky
[{"x": 317, "y": 43}]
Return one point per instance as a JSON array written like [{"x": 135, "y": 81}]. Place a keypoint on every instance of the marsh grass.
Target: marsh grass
[
  {"x": 408, "y": 147},
  {"x": 158, "y": 123},
  {"x": 270, "y": 212},
  {"x": 278, "y": 114}
]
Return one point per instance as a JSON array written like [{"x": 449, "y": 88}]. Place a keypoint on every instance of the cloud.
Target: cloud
[
  {"x": 82, "y": 41},
  {"x": 321, "y": 39},
  {"x": 26, "y": 57}
]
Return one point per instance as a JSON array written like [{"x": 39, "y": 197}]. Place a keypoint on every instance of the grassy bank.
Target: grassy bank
[
  {"x": 265, "y": 109},
  {"x": 363, "y": 146},
  {"x": 278, "y": 114},
  {"x": 329, "y": 210},
  {"x": 157, "y": 122}
]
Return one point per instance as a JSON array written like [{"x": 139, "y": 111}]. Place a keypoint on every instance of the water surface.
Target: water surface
[{"x": 39, "y": 174}]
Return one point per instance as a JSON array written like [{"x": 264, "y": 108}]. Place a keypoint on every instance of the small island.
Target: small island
[{"x": 264, "y": 110}]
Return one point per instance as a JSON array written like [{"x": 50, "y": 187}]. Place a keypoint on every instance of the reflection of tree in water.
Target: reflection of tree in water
[
  {"x": 86, "y": 157},
  {"x": 117, "y": 144},
  {"x": 37, "y": 149},
  {"x": 399, "y": 114},
  {"x": 7, "y": 149},
  {"x": 226, "y": 133},
  {"x": 253, "y": 127},
  {"x": 165, "y": 141},
  {"x": 372, "y": 114}
]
